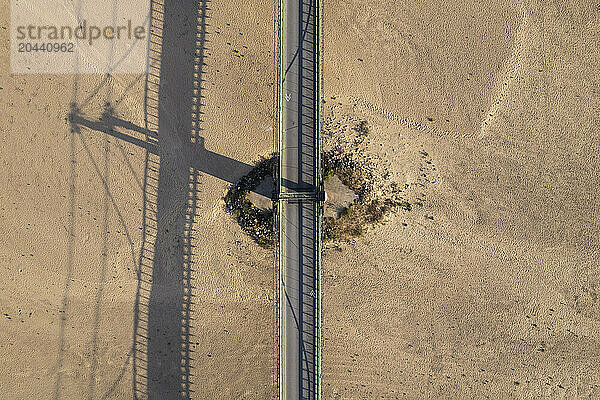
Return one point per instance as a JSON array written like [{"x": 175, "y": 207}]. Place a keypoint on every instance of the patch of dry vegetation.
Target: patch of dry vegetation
[
  {"x": 255, "y": 222},
  {"x": 370, "y": 207},
  {"x": 375, "y": 198}
]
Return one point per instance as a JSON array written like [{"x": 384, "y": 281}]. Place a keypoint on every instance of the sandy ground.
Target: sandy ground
[
  {"x": 338, "y": 197},
  {"x": 489, "y": 290},
  {"x": 85, "y": 313}
]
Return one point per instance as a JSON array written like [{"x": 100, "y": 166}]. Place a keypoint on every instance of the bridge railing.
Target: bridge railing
[
  {"x": 318, "y": 272},
  {"x": 278, "y": 209}
]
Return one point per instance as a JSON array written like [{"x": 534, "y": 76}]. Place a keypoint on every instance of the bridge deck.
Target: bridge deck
[{"x": 299, "y": 218}]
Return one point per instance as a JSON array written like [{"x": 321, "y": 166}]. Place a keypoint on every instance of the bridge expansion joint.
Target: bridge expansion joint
[{"x": 300, "y": 196}]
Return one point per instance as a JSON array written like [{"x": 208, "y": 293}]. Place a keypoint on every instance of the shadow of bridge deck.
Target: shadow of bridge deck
[{"x": 175, "y": 159}]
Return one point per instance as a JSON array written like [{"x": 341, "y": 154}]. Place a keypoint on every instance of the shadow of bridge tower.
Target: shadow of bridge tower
[{"x": 175, "y": 156}]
